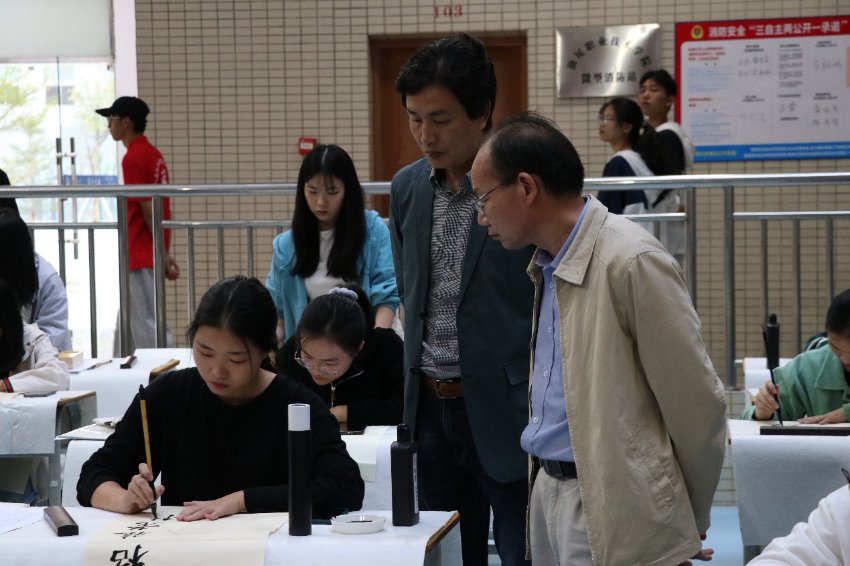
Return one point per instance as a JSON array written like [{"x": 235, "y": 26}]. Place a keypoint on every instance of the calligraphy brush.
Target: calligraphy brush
[{"x": 144, "y": 409}]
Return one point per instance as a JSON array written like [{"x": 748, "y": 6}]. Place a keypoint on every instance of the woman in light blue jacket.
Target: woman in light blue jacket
[{"x": 333, "y": 240}]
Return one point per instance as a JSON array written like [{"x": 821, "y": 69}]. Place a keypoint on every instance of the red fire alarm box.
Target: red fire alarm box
[{"x": 306, "y": 145}]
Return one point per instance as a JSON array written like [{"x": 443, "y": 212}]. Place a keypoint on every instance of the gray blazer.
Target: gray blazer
[{"x": 493, "y": 323}]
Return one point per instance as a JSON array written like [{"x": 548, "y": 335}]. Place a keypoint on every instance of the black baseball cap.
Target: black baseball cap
[{"x": 127, "y": 106}]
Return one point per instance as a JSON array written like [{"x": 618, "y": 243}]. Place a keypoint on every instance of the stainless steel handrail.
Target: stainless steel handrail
[{"x": 690, "y": 183}]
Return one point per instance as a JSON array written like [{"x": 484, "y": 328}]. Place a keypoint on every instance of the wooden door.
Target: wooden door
[{"x": 393, "y": 146}]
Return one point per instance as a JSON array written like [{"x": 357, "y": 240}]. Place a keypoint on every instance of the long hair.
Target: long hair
[
  {"x": 243, "y": 307},
  {"x": 350, "y": 229},
  {"x": 18, "y": 264},
  {"x": 641, "y": 138},
  {"x": 11, "y": 330}
]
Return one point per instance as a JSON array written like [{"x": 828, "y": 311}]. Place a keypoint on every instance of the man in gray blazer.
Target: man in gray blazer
[{"x": 467, "y": 307}]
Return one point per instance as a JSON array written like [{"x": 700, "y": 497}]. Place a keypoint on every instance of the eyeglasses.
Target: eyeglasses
[
  {"x": 323, "y": 370},
  {"x": 479, "y": 201},
  {"x": 605, "y": 119}
]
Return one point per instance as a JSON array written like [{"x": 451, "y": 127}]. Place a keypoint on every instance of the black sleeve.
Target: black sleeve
[
  {"x": 387, "y": 368},
  {"x": 616, "y": 201},
  {"x": 671, "y": 153},
  {"x": 337, "y": 485},
  {"x": 119, "y": 458}
]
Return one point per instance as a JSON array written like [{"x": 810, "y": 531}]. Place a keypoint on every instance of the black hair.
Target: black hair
[
  {"x": 18, "y": 264},
  {"x": 531, "y": 143},
  {"x": 337, "y": 318},
  {"x": 838, "y": 314},
  {"x": 641, "y": 139},
  {"x": 12, "y": 335},
  {"x": 7, "y": 202},
  {"x": 242, "y": 306},
  {"x": 350, "y": 229},
  {"x": 663, "y": 78},
  {"x": 458, "y": 63},
  {"x": 628, "y": 112},
  {"x": 139, "y": 124}
]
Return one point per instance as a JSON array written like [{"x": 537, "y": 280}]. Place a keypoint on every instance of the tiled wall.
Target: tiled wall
[{"x": 234, "y": 83}]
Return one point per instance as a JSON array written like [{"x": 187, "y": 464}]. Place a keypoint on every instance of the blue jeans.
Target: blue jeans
[{"x": 451, "y": 477}]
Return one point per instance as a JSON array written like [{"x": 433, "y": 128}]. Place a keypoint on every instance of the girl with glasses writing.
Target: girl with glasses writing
[{"x": 355, "y": 367}]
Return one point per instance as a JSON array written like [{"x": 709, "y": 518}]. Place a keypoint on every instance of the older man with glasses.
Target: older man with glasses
[{"x": 628, "y": 428}]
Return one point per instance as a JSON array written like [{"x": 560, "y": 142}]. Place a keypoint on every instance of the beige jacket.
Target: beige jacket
[
  {"x": 645, "y": 407},
  {"x": 40, "y": 369}
]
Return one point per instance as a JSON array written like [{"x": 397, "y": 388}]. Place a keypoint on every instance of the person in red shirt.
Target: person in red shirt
[{"x": 142, "y": 165}]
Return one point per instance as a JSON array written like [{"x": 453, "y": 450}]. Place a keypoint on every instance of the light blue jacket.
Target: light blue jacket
[
  {"x": 375, "y": 266},
  {"x": 50, "y": 308}
]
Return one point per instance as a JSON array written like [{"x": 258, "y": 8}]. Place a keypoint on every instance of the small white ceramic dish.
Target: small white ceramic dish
[{"x": 356, "y": 524}]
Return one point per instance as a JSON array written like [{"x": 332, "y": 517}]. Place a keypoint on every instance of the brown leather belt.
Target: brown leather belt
[{"x": 443, "y": 388}]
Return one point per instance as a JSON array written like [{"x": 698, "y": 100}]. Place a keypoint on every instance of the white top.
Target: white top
[
  {"x": 320, "y": 282},
  {"x": 40, "y": 370},
  {"x": 824, "y": 539}
]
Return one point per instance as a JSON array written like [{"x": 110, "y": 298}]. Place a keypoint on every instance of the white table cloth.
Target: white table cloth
[
  {"x": 394, "y": 546},
  {"x": 779, "y": 480},
  {"x": 116, "y": 387}
]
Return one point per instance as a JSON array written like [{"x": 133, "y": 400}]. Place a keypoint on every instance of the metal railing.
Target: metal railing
[{"x": 689, "y": 183}]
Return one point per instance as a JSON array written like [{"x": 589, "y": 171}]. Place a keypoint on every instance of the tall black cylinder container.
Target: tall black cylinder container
[
  {"x": 403, "y": 454},
  {"x": 300, "y": 455}
]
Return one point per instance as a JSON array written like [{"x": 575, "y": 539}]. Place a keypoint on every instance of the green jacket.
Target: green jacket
[{"x": 811, "y": 384}]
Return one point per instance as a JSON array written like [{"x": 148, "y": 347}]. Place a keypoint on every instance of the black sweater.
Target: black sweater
[
  {"x": 205, "y": 449},
  {"x": 375, "y": 396}
]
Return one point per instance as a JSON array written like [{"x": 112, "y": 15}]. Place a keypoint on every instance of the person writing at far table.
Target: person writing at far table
[
  {"x": 354, "y": 366},
  {"x": 814, "y": 387},
  {"x": 29, "y": 362},
  {"x": 218, "y": 432}
]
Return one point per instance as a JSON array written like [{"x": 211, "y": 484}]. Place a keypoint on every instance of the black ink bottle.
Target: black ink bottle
[{"x": 403, "y": 454}]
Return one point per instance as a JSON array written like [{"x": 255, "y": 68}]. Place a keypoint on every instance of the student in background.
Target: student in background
[
  {"x": 355, "y": 367},
  {"x": 143, "y": 164},
  {"x": 814, "y": 387},
  {"x": 34, "y": 281},
  {"x": 674, "y": 150},
  {"x": 29, "y": 362},
  {"x": 218, "y": 431},
  {"x": 657, "y": 95},
  {"x": 333, "y": 240},
  {"x": 620, "y": 123}
]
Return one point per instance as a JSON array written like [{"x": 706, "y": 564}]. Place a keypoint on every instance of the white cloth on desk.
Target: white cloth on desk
[
  {"x": 116, "y": 387},
  {"x": 28, "y": 424},
  {"x": 780, "y": 479},
  {"x": 756, "y": 372},
  {"x": 400, "y": 546}
]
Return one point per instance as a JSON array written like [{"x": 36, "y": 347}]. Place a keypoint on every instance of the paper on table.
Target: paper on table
[
  {"x": 238, "y": 539},
  {"x": 90, "y": 363},
  {"x": 13, "y": 517},
  {"x": 363, "y": 449},
  {"x": 88, "y": 432}
]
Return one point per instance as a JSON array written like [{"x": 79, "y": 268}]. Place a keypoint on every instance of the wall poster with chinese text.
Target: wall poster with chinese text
[{"x": 765, "y": 89}]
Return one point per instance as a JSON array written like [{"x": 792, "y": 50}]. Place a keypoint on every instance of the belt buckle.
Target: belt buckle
[{"x": 438, "y": 383}]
